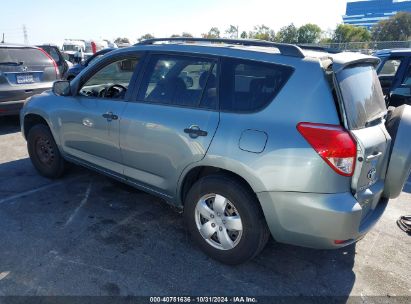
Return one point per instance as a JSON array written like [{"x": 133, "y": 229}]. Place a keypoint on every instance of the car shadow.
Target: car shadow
[
  {"x": 118, "y": 240},
  {"x": 9, "y": 124}
]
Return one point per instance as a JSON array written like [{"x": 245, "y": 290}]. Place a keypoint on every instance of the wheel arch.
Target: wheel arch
[
  {"x": 30, "y": 120},
  {"x": 194, "y": 174}
]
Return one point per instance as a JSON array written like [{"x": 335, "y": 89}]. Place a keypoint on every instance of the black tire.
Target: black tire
[
  {"x": 255, "y": 232},
  {"x": 48, "y": 163}
]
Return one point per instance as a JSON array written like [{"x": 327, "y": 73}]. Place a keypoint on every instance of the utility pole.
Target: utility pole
[
  {"x": 2, "y": 40},
  {"x": 26, "y": 37}
]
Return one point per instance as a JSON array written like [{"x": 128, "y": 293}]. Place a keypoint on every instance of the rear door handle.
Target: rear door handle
[
  {"x": 195, "y": 131},
  {"x": 110, "y": 116}
]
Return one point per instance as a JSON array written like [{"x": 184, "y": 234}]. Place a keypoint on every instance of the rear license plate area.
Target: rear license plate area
[{"x": 24, "y": 78}]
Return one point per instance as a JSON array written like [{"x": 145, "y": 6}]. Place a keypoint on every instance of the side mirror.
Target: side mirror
[{"x": 62, "y": 88}]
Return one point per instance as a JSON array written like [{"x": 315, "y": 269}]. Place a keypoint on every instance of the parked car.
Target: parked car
[
  {"x": 54, "y": 52},
  {"x": 76, "y": 69},
  {"x": 394, "y": 73},
  {"x": 266, "y": 138},
  {"x": 24, "y": 71}
]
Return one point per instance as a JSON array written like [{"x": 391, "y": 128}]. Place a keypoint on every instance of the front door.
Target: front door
[
  {"x": 90, "y": 120},
  {"x": 172, "y": 122},
  {"x": 401, "y": 94}
]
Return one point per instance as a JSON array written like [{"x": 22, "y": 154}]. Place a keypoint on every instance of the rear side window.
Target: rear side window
[
  {"x": 180, "y": 81},
  {"x": 25, "y": 56},
  {"x": 248, "y": 86},
  {"x": 362, "y": 95},
  {"x": 390, "y": 67}
]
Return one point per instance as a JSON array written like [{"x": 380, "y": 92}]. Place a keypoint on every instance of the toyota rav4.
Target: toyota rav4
[{"x": 247, "y": 137}]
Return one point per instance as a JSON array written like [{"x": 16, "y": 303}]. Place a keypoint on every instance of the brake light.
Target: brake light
[
  {"x": 333, "y": 143},
  {"x": 52, "y": 60}
]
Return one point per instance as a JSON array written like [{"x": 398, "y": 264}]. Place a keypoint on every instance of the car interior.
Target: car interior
[{"x": 111, "y": 81}]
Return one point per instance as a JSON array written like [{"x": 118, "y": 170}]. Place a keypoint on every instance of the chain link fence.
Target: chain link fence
[{"x": 366, "y": 47}]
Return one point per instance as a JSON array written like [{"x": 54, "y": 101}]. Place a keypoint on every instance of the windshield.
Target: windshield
[
  {"x": 70, "y": 47},
  {"x": 362, "y": 95}
]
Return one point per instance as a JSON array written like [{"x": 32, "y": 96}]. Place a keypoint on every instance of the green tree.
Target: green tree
[
  {"x": 214, "y": 32},
  {"x": 398, "y": 27},
  {"x": 287, "y": 34},
  {"x": 262, "y": 32},
  {"x": 350, "y": 33},
  {"x": 145, "y": 37},
  {"x": 121, "y": 40},
  {"x": 244, "y": 35},
  {"x": 187, "y": 35},
  {"x": 309, "y": 33},
  {"x": 232, "y": 31}
]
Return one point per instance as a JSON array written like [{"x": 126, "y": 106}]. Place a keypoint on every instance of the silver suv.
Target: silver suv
[{"x": 247, "y": 137}]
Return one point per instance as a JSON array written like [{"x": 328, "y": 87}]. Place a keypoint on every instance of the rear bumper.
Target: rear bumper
[
  {"x": 318, "y": 220},
  {"x": 11, "y": 107}
]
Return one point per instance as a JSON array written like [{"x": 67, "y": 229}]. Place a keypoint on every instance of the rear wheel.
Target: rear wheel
[
  {"x": 44, "y": 153},
  {"x": 225, "y": 219}
]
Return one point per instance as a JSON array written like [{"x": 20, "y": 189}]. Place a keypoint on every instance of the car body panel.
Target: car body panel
[{"x": 155, "y": 148}]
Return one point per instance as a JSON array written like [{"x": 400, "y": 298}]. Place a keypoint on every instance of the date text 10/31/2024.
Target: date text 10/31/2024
[{"x": 203, "y": 300}]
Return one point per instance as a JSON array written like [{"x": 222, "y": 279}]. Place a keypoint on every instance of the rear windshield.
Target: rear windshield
[
  {"x": 362, "y": 95},
  {"x": 28, "y": 56},
  {"x": 248, "y": 86}
]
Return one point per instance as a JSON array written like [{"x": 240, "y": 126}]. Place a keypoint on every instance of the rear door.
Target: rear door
[
  {"x": 388, "y": 71},
  {"x": 365, "y": 110},
  {"x": 24, "y": 71},
  {"x": 401, "y": 92},
  {"x": 172, "y": 122}
]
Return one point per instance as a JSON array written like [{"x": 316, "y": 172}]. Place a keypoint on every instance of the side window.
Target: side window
[
  {"x": 177, "y": 80},
  {"x": 390, "y": 67},
  {"x": 249, "y": 86},
  {"x": 111, "y": 81},
  {"x": 54, "y": 55},
  {"x": 407, "y": 77}
]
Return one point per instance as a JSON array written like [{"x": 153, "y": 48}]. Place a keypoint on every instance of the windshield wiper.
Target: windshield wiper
[
  {"x": 14, "y": 63},
  {"x": 375, "y": 119}
]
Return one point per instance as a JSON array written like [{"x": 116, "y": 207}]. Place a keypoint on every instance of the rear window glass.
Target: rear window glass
[
  {"x": 28, "y": 56},
  {"x": 362, "y": 95},
  {"x": 249, "y": 86}
]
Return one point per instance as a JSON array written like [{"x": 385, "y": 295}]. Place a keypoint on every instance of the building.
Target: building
[{"x": 368, "y": 13}]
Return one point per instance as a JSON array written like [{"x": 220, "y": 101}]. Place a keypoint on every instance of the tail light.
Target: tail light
[
  {"x": 56, "y": 68},
  {"x": 333, "y": 143}
]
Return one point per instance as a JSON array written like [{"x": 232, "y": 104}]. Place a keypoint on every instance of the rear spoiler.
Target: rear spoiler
[{"x": 339, "y": 65}]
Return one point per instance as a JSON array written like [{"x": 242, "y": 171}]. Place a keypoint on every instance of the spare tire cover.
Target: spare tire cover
[{"x": 399, "y": 167}]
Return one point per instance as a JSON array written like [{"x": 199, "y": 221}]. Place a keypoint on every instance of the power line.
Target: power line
[{"x": 26, "y": 36}]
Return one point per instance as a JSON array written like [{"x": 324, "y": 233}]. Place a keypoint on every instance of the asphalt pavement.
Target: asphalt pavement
[{"x": 87, "y": 235}]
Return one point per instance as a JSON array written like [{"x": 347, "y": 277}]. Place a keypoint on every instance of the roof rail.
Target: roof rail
[
  {"x": 319, "y": 48},
  {"x": 285, "y": 49}
]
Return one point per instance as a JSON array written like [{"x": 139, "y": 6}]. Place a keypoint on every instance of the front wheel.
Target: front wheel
[
  {"x": 44, "y": 153},
  {"x": 225, "y": 219}
]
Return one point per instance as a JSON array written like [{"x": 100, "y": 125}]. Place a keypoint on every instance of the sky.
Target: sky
[{"x": 52, "y": 21}]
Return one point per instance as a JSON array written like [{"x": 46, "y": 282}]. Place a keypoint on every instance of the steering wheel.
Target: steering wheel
[{"x": 114, "y": 91}]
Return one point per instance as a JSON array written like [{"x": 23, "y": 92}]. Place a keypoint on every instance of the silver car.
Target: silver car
[{"x": 247, "y": 137}]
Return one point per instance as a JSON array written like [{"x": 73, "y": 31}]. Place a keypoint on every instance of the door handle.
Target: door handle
[
  {"x": 110, "y": 116},
  {"x": 374, "y": 156},
  {"x": 195, "y": 131}
]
